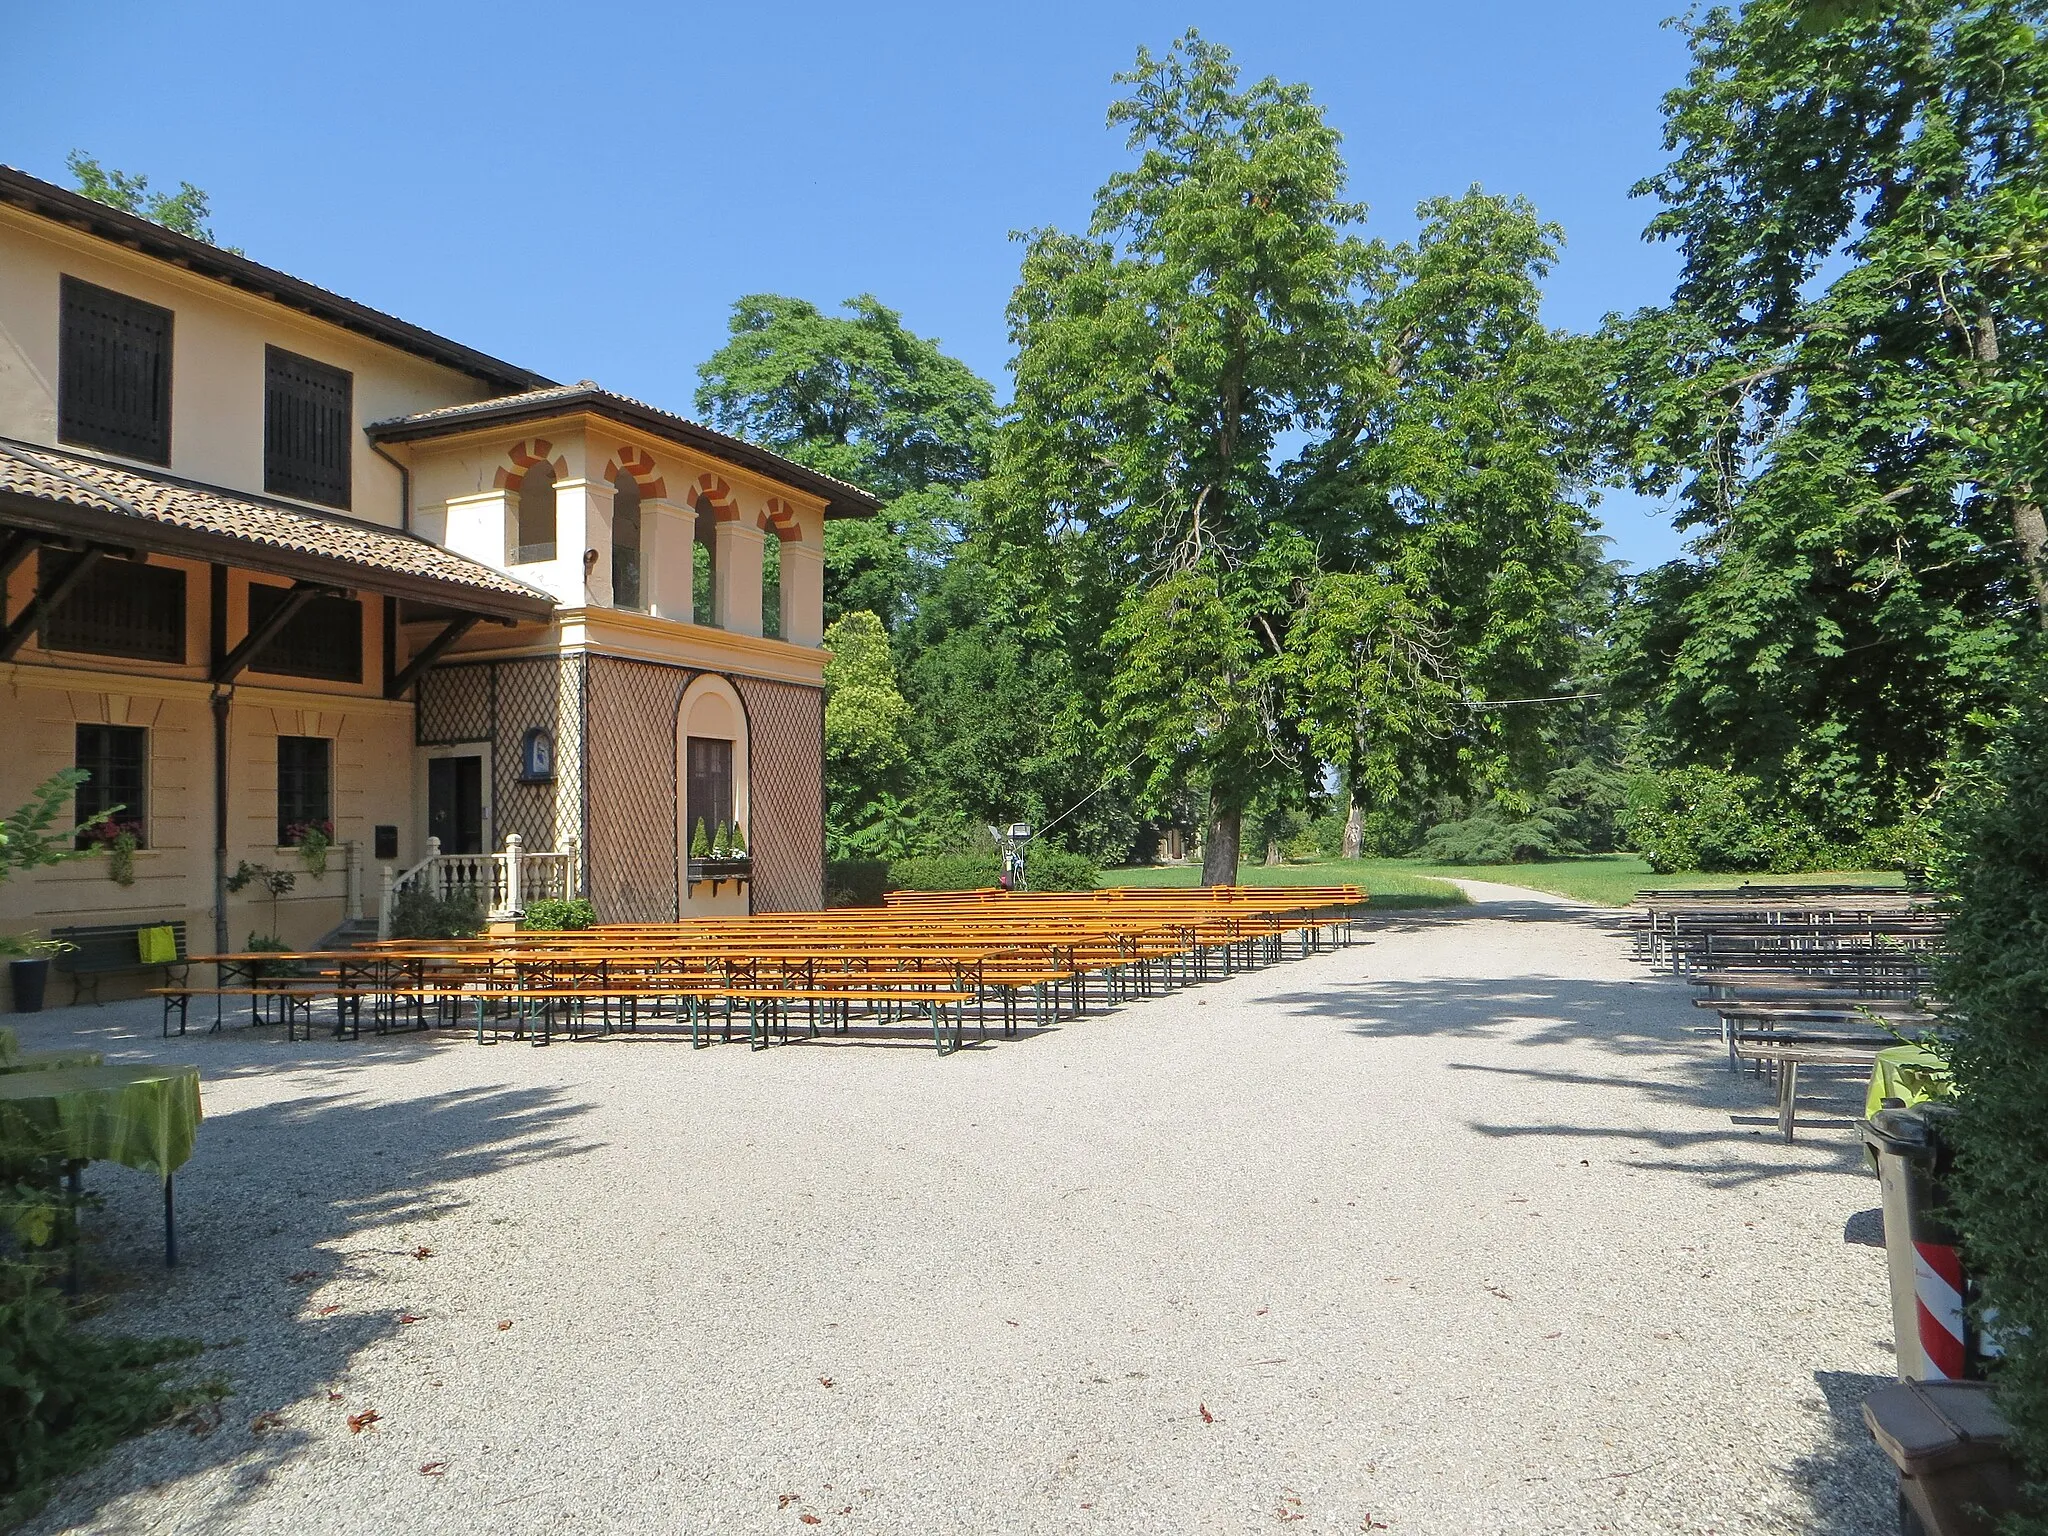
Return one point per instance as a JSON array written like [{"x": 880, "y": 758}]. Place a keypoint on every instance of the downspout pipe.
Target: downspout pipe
[{"x": 223, "y": 699}]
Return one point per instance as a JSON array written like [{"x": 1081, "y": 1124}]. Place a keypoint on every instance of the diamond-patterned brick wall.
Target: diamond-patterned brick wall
[
  {"x": 455, "y": 705},
  {"x": 632, "y": 848},
  {"x": 546, "y": 691},
  {"x": 786, "y": 762}
]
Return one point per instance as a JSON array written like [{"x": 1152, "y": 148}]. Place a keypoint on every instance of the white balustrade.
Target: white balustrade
[{"x": 501, "y": 883}]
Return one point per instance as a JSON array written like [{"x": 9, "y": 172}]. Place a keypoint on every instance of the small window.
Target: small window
[
  {"x": 304, "y": 787},
  {"x": 115, "y": 759},
  {"x": 308, "y": 413},
  {"x": 535, "y": 539},
  {"x": 626, "y": 543},
  {"x": 119, "y": 609},
  {"x": 323, "y": 639},
  {"x": 114, "y": 373},
  {"x": 707, "y": 788}
]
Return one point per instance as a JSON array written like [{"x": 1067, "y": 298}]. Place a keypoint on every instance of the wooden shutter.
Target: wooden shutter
[
  {"x": 308, "y": 414},
  {"x": 114, "y": 373},
  {"x": 119, "y": 609},
  {"x": 323, "y": 639}
]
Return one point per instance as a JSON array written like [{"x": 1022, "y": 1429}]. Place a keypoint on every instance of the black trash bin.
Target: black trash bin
[
  {"x": 29, "y": 978},
  {"x": 1933, "y": 1333}
]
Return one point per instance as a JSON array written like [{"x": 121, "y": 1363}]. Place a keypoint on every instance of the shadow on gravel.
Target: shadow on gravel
[
  {"x": 1849, "y": 1482},
  {"x": 1664, "y": 1050},
  {"x": 255, "y": 1250}
]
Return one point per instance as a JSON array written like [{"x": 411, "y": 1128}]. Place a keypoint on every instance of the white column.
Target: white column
[
  {"x": 736, "y": 564},
  {"x": 387, "y": 880},
  {"x": 480, "y": 527},
  {"x": 803, "y": 594},
  {"x": 515, "y": 846},
  {"x": 667, "y": 578},
  {"x": 583, "y": 522}
]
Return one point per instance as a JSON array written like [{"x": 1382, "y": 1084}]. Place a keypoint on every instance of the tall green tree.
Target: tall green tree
[
  {"x": 866, "y": 751},
  {"x": 1163, "y": 360},
  {"x": 860, "y": 396},
  {"x": 184, "y": 211},
  {"x": 1845, "y": 393}
]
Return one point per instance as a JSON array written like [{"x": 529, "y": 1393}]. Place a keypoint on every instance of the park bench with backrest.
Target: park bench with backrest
[{"x": 99, "y": 950}]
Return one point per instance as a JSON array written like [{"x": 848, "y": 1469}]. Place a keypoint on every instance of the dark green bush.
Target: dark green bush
[
  {"x": 66, "y": 1395},
  {"x": 855, "y": 882},
  {"x": 1710, "y": 819},
  {"x": 943, "y": 872},
  {"x": 1054, "y": 869},
  {"x": 1492, "y": 837},
  {"x": 558, "y": 913},
  {"x": 1995, "y": 976},
  {"x": 420, "y": 914}
]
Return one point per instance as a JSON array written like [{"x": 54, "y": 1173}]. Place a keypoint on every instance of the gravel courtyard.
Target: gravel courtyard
[{"x": 1462, "y": 1230}]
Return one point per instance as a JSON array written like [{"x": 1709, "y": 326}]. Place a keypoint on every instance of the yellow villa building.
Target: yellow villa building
[{"x": 272, "y": 561}]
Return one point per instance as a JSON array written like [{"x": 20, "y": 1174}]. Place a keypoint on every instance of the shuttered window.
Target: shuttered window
[
  {"x": 323, "y": 639},
  {"x": 305, "y": 787},
  {"x": 115, "y": 759},
  {"x": 308, "y": 413},
  {"x": 707, "y": 784},
  {"x": 114, "y": 373},
  {"x": 119, "y": 609}
]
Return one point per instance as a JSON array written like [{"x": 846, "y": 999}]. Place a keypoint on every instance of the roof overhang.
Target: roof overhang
[
  {"x": 137, "y": 234},
  {"x": 840, "y": 498},
  {"x": 68, "y": 522}
]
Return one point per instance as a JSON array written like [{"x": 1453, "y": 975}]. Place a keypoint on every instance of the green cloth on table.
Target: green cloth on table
[
  {"x": 144, "y": 1117},
  {"x": 1905, "y": 1072},
  {"x": 9, "y": 1046}
]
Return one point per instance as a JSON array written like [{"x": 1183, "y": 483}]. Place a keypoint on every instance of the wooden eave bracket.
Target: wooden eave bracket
[
  {"x": 231, "y": 666},
  {"x": 30, "y": 618},
  {"x": 396, "y": 684}
]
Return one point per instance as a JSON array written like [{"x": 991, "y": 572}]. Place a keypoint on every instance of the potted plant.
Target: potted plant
[
  {"x": 721, "y": 855},
  {"x": 278, "y": 882},
  {"x": 120, "y": 839},
  {"x": 312, "y": 839}
]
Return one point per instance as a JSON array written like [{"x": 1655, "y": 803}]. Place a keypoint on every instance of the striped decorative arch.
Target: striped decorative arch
[
  {"x": 524, "y": 455},
  {"x": 638, "y": 463},
  {"x": 715, "y": 493},
  {"x": 781, "y": 516}
]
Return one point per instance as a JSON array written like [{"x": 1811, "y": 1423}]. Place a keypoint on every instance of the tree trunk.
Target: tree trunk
[
  {"x": 1219, "y": 848},
  {"x": 1272, "y": 851},
  {"x": 2029, "y": 526},
  {"x": 1354, "y": 830}
]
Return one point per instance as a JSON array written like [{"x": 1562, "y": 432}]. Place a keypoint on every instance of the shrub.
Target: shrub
[
  {"x": 1493, "y": 838},
  {"x": 1054, "y": 869},
  {"x": 420, "y": 914},
  {"x": 1995, "y": 976},
  {"x": 856, "y": 882},
  {"x": 555, "y": 913},
  {"x": 944, "y": 872},
  {"x": 66, "y": 1395}
]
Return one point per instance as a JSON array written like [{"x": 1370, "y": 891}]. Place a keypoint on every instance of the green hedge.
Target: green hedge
[
  {"x": 1045, "y": 869},
  {"x": 1994, "y": 974},
  {"x": 855, "y": 882}
]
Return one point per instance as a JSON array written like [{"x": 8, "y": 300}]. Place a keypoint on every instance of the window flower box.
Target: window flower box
[{"x": 721, "y": 869}]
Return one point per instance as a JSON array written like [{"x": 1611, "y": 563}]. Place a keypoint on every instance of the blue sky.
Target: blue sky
[{"x": 585, "y": 189}]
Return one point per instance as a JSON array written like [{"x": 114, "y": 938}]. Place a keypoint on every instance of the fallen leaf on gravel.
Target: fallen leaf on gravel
[
  {"x": 786, "y": 1500},
  {"x": 1013, "y": 1322},
  {"x": 423, "y": 1252},
  {"x": 1207, "y": 1416},
  {"x": 410, "y": 1317},
  {"x": 824, "y": 1381},
  {"x": 358, "y": 1422},
  {"x": 1261, "y": 1312},
  {"x": 810, "y": 1520},
  {"x": 302, "y": 1277},
  {"x": 334, "y": 1397},
  {"x": 1557, "y": 1335},
  {"x": 1497, "y": 1291},
  {"x": 328, "y": 1311},
  {"x": 1373, "y": 1525},
  {"x": 504, "y": 1323},
  {"x": 266, "y": 1421},
  {"x": 433, "y": 1468}
]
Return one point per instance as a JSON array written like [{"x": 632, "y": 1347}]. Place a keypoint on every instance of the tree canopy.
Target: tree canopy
[{"x": 184, "y": 211}]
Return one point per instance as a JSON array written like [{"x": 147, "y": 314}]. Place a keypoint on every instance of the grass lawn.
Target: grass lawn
[{"x": 1608, "y": 879}]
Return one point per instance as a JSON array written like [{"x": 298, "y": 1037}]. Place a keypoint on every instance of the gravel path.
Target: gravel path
[{"x": 1459, "y": 1231}]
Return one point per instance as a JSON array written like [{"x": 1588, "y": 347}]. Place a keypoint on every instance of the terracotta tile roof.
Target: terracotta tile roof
[
  {"x": 119, "y": 492},
  {"x": 841, "y": 498}
]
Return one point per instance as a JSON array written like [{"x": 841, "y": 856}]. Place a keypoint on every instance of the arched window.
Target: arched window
[
  {"x": 771, "y": 586},
  {"x": 626, "y": 542},
  {"x": 536, "y": 536},
  {"x": 703, "y": 578}
]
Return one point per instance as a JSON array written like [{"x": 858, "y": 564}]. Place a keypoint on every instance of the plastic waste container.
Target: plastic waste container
[
  {"x": 1934, "y": 1337},
  {"x": 1956, "y": 1474}
]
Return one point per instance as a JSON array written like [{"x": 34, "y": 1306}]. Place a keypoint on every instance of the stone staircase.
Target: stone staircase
[{"x": 347, "y": 935}]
